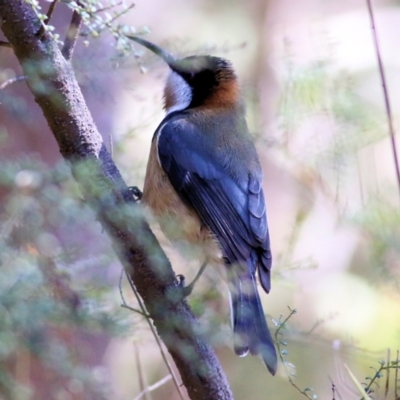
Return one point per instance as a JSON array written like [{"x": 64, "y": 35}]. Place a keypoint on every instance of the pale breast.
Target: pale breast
[{"x": 177, "y": 221}]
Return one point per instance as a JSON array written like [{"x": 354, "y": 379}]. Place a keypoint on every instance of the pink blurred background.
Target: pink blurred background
[{"x": 309, "y": 76}]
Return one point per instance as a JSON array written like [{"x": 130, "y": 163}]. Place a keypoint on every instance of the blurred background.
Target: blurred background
[{"x": 315, "y": 108}]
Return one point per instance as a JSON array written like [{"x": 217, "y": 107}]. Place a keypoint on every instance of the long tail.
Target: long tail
[{"x": 251, "y": 333}]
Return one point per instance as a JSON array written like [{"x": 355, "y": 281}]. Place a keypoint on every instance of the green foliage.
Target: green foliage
[
  {"x": 367, "y": 390},
  {"x": 289, "y": 367},
  {"x": 319, "y": 89},
  {"x": 380, "y": 221},
  {"x": 53, "y": 286},
  {"x": 324, "y": 122},
  {"x": 383, "y": 368},
  {"x": 51, "y": 272}
]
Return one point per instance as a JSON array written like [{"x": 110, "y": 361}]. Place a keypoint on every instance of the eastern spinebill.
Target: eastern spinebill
[{"x": 204, "y": 185}]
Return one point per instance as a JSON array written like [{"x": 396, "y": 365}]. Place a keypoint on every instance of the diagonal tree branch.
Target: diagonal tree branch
[
  {"x": 49, "y": 14},
  {"x": 72, "y": 35},
  {"x": 56, "y": 91}
]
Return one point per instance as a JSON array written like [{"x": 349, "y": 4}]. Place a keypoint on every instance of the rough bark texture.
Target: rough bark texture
[{"x": 52, "y": 82}]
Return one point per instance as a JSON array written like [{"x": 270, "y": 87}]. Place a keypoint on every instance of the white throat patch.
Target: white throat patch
[{"x": 178, "y": 93}]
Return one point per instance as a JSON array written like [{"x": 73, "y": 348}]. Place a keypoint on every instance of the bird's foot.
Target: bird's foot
[
  {"x": 137, "y": 194},
  {"x": 187, "y": 290}
]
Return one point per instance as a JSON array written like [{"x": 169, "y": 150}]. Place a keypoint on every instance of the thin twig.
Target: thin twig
[
  {"x": 144, "y": 313},
  {"x": 344, "y": 384},
  {"x": 385, "y": 91},
  {"x": 335, "y": 392},
  {"x": 387, "y": 374},
  {"x": 124, "y": 303},
  {"x": 359, "y": 387},
  {"x": 48, "y": 17},
  {"x": 153, "y": 387},
  {"x": 106, "y": 8},
  {"x": 163, "y": 355},
  {"x": 72, "y": 35},
  {"x": 396, "y": 377},
  {"x": 281, "y": 353},
  {"x": 140, "y": 373},
  {"x": 5, "y": 44},
  {"x": 51, "y": 10},
  {"x": 121, "y": 293},
  {"x": 108, "y": 24},
  {"x": 13, "y": 80},
  {"x": 320, "y": 322},
  {"x": 378, "y": 374},
  {"x": 135, "y": 310}
]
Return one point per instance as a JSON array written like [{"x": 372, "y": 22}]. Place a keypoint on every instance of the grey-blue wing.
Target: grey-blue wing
[{"x": 231, "y": 206}]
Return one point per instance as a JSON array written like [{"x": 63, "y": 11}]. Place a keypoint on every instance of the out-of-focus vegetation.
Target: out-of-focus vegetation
[
  {"x": 333, "y": 206},
  {"x": 55, "y": 295}
]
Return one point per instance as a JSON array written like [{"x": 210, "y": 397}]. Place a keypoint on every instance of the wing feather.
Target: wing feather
[{"x": 232, "y": 206}]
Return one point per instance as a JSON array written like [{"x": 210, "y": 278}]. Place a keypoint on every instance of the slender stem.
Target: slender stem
[
  {"x": 72, "y": 35},
  {"x": 282, "y": 324},
  {"x": 385, "y": 91},
  {"x": 396, "y": 377},
  {"x": 140, "y": 373},
  {"x": 13, "y": 80},
  {"x": 48, "y": 17},
  {"x": 378, "y": 374},
  {"x": 387, "y": 374},
  {"x": 375, "y": 377},
  {"x": 109, "y": 7},
  {"x": 153, "y": 387},
  {"x": 125, "y": 304},
  {"x": 159, "y": 344},
  {"x": 135, "y": 310},
  {"x": 278, "y": 343},
  {"x": 51, "y": 10}
]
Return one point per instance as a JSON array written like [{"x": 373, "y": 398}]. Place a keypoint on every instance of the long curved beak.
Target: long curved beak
[
  {"x": 187, "y": 65},
  {"x": 168, "y": 58}
]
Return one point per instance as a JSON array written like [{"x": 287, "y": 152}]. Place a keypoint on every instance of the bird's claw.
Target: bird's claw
[
  {"x": 180, "y": 280},
  {"x": 185, "y": 290},
  {"x": 137, "y": 194}
]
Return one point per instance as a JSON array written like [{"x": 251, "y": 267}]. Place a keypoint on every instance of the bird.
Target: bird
[{"x": 203, "y": 184}]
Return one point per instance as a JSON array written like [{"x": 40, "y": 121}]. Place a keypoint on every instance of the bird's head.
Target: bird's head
[{"x": 196, "y": 81}]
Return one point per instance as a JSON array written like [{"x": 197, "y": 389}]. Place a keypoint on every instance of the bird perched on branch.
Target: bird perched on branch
[{"x": 204, "y": 184}]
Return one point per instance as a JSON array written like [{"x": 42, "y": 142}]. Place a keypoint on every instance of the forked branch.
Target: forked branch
[{"x": 64, "y": 108}]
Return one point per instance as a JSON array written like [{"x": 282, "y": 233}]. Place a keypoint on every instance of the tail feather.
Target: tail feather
[{"x": 251, "y": 333}]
